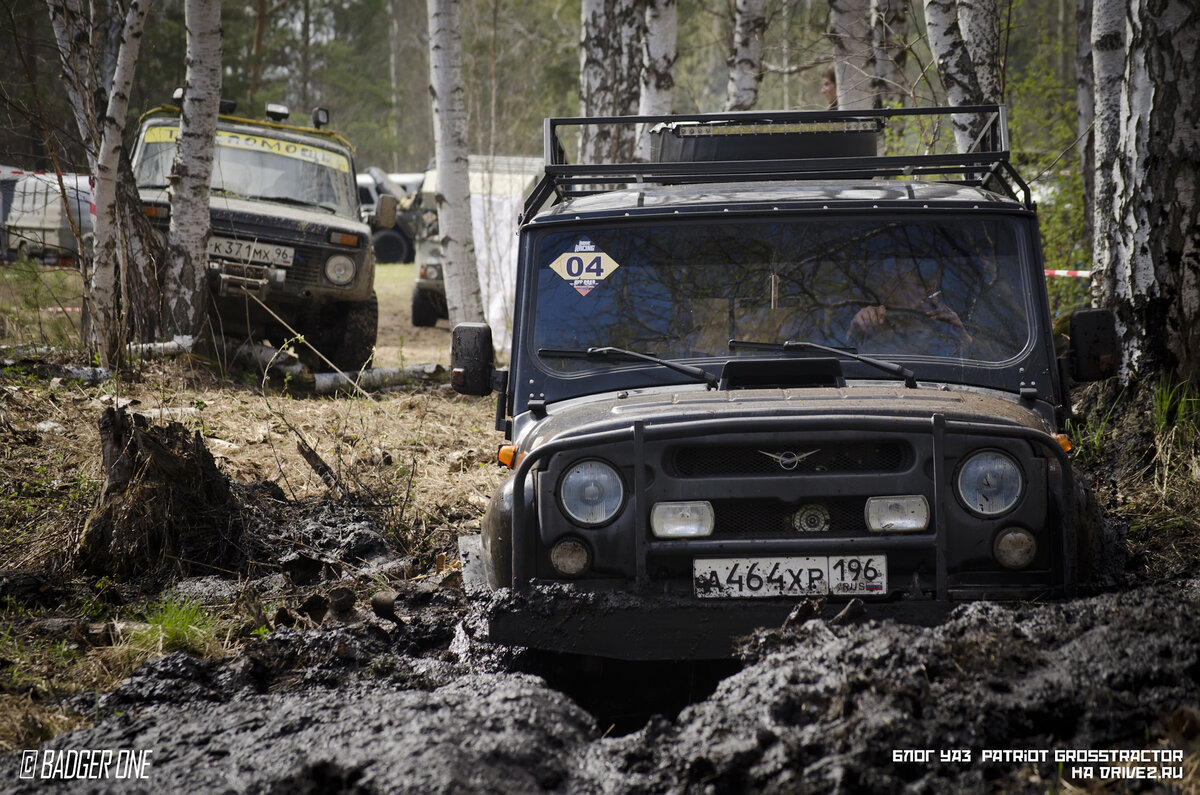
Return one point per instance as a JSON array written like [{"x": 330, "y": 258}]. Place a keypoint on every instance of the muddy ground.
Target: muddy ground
[{"x": 317, "y": 686}]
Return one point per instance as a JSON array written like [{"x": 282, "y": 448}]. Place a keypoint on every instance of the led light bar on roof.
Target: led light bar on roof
[{"x": 847, "y": 125}]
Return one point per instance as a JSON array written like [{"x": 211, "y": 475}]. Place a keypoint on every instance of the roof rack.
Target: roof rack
[{"x": 787, "y": 145}]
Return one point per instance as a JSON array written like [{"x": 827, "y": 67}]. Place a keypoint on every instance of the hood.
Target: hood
[{"x": 658, "y": 407}]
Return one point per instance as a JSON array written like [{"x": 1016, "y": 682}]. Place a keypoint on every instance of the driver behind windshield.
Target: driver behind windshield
[{"x": 910, "y": 311}]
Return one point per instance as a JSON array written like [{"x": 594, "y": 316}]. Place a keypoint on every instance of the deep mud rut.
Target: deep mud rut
[{"x": 367, "y": 704}]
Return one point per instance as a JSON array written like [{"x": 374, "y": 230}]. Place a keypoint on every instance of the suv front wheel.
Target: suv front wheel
[{"x": 346, "y": 332}]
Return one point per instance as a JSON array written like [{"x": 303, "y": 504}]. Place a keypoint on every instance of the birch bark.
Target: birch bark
[
  {"x": 463, "y": 297},
  {"x": 1146, "y": 60},
  {"x": 659, "y": 52},
  {"x": 610, "y": 58},
  {"x": 853, "y": 52},
  {"x": 184, "y": 293},
  {"x": 118, "y": 250},
  {"x": 745, "y": 62}
]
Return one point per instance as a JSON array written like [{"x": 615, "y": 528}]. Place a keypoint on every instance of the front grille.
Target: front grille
[
  {"x": 305, "y": 269},
  {"x": 799, "y": 458},
  {"x": 740, "y": 519}
]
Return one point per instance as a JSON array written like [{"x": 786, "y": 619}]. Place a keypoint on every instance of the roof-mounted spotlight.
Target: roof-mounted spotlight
[
  {"x": 226, "y": 106},
  {"x": 277, "y": 112},
  {"x": 320, "y": 117},
  {"x": 177, "y": 94}
]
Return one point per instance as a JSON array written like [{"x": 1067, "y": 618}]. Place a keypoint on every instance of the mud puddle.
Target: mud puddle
[{"x": 408, "y": 704}]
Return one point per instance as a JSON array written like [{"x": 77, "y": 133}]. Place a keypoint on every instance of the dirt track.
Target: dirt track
[{"x": 351, "y": 701}]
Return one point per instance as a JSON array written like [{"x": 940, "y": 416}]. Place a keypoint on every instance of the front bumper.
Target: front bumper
[{"x": 641, "y": 603}]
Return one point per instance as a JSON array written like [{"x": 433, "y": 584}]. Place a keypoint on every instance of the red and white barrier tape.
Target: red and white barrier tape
[
  {"x": 1077, "y": 274},
  {"x": 62, "y": 309}
]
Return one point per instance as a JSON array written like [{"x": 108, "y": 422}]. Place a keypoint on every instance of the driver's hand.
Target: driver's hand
[{"x": 868, "y": 319}]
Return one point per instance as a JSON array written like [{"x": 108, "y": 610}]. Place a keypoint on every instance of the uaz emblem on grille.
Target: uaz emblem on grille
[{"x": 788, "y": 460}]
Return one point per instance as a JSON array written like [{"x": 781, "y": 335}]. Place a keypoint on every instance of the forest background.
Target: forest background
[{"x": 367, "y": 61}]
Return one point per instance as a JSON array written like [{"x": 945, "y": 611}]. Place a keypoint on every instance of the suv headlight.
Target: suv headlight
[
  {"x": 591, "y": 493},
  {"x": 990, "y": 483},
  {"x": 340, "y": 269}
]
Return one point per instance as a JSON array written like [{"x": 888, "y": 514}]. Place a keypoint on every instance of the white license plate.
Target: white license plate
[
  {"x": 742, "y": 578},
  {"x": 250, "y": 251}
]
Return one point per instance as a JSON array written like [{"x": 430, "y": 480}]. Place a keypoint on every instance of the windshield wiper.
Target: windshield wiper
[
  {"x": 910, "y": 379},
  {"x": 609, "y": 352}
]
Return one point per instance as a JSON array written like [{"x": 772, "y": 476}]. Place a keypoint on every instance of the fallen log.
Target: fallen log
[{"x": 378, "y": 378}]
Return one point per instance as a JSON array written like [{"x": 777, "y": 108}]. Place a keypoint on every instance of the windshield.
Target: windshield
[
  {"x": 891, "y": 287},
  {"x": 260, "y": 167}
]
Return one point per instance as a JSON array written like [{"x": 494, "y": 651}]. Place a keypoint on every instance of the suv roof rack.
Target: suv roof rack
[{"x": 788, "y": 145}]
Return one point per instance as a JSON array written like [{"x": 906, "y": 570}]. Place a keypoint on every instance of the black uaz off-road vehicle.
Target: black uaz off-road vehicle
[
  {"x": 287, "y": 243},
  {"x": 778, "y": 363}
]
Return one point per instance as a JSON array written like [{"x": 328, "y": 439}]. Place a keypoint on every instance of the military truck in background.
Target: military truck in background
[
  {"x": 795, "y": 357},
  {"x": 396, "y": 244},
  {"x": 289, "y": 252}
]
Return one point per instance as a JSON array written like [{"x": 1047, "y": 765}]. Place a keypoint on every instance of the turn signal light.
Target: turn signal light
[
  {"x": 507, "y": 455},
  {"x": 1064, "y": 441},
  {"x": 343, "y": 239},
  {"x": 157, "y": 210}
]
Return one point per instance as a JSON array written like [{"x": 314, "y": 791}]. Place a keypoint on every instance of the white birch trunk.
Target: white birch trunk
[
  {"x": 979, "y": 22},
  {"x": 1146, "y": 246},
  {"x": 610, "y": 56},
  {"x": 954, "y": 66},
  {"x": 102, "y": 139},
  {"x": 184, "y": 293},
  {"x": 853, "y": 52},
  {"x": 745, "y": 62},
  {"x": 450, "y": 146},
  {"x": 889, "y": 27},
  {"x": 659, "y": 53}
]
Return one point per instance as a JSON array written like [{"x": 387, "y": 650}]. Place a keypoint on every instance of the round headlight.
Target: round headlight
[
  {"x": 990, "y": 483},
  {"x": 339, "y": 269},
  {"x": 431, "y": 272},
  {"x": 591, "y": 493}
]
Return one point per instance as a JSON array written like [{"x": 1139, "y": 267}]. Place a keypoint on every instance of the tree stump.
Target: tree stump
[{"x": 164, "y": 505}]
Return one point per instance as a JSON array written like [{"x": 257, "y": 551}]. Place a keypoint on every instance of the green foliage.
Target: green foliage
[
  {"x": 1176, "y": 412},
  {"x": 1040, "y": 91}
]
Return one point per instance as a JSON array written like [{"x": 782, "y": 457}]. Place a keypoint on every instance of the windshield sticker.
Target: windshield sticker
[
  {"x": 235, "y": 140},
  {"x": 585, "y": 266}
]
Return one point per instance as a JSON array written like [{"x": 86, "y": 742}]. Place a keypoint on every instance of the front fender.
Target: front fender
[{"x": 497, "y": 535}]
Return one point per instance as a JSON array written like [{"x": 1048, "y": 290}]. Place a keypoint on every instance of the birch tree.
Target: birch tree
[
  {"x": 745, "y": 61},
  {"x": 854, "y": 61},
  {"x": 964, "y": 40},
  {"x": 659, "y": 53},
  {"x": 1146, "y": 72},
  {"x": 610, "y": 59},
  {"x": 889, "y": 25},
  {"x": 463, "y": 298},
  {"x": 184, "y": 289},
  {"x": 120, "y": 283}
]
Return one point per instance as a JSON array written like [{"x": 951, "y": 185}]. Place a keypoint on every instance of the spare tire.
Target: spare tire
[{"x": 391, "y": 246}]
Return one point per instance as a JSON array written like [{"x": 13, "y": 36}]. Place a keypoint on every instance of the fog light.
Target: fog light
[
  {"x": 431, "y": 272},
  {"x": 906, "y": 514},
  {"x": 570, "y": 557},
  {"x": 1014, "y": 548},
  {"x": 339, "y": 269},
  {"x": 682, "y": 519}
]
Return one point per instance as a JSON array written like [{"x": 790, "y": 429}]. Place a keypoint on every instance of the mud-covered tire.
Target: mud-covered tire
[
  {"x": 345, "y": 333},
  {"x": 1102, "y": 541},
  {"x": 424, "y": 312},
  {"x": 391, "y": 246}
]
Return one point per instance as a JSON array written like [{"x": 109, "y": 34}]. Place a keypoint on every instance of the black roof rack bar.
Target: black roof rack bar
[{"x": 987, "y": 165}]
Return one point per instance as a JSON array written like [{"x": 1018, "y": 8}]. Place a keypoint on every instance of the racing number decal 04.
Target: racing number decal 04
[{"x": 585, "y": 266}]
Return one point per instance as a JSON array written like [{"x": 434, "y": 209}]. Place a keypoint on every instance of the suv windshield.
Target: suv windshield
[
  {"x": 896, "y": 287},
  {"x": 260, "y": 166}
]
